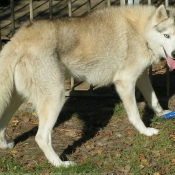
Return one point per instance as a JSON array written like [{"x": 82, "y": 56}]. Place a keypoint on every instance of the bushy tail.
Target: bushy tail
[{"x": 9, "y": 57}]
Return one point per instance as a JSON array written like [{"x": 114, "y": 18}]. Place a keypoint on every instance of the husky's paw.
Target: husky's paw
[
  {"x": 64, "y": 164},
  {"x": 10, "y": 144},
  {"x": 163, "y": 113},
  {"x": 67, "y": 163},
  {"x": 57, "y": 162},
  {"x": 7, "y": 144},
  {"x": 150, "y": 131}
]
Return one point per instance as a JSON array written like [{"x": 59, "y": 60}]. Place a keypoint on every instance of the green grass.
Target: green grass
[
  {"x": 119, "y": 109},
  {"x": 82, "y": 168},
  {"x": 149, "y": 155},
  {"x": 11, "y": 166}
]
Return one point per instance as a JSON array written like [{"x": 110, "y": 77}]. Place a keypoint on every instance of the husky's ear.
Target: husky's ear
[{"x": 160, "y": 15}]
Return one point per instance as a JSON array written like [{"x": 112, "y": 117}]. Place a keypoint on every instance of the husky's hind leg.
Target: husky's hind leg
[
  {"x": 40, "y": 80},
  {"x": 5, "y": 118},
  {"x": 48, "y": 109},
  {"x": 144, "y": 85},
  {"x": 126, "y": 90}
]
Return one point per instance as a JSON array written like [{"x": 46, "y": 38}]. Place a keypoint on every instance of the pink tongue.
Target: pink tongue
[{"x": 171, "y": 62}]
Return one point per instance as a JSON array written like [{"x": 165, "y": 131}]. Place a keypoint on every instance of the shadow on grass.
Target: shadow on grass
[
  {"x": 147, "y": 116},
  {"x": 26, "y": 135},
  {"x": 95, "y": 114}
]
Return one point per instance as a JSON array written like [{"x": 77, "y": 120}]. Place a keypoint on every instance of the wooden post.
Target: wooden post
[
  {"x": 50, "y": 9},
  {"x": 12, "y": 16},
  {"x": 31, "y": 9}
]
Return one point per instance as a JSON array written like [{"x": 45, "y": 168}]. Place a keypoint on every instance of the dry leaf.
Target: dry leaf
[
  {"x": 26, "y": 120},
  {"x": 172, "y": 136},
  {"x": 110, "y": 133},
  {"x": 99, "y": 151},
  {"x": 157, "y": 155},
  {"x": 145, "y": 161},
  {"x": 88, "y": 146},
  {"x": 94, "y": 153},
  {"x": 71, "y": 133},
  {"x": 107, "y": 166},
  {"x": 14, "y": 151},
  {"x": 15, "y": 121},
  {"x": 92, "y": 146},
  {"x": 156, "y": 173},
  {"x": 141, "y": 156},
  {"x": 84, "y": 158},
  {"x": 127, "y": 168},
  {"x": 17, "y": 127},
  {"x": 35, "y": 122},
  {"x": 34, "y": 114},
  {"x": 141, "y": 166},
  {"x": 118, "y": 155},
  {"x": 129, "y": 132}
]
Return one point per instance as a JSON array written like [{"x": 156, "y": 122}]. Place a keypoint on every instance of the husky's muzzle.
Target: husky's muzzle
[{"x": 170, "y": 59}]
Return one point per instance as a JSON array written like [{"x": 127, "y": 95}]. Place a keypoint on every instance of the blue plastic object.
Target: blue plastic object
[{"x": 168, "y": 116}]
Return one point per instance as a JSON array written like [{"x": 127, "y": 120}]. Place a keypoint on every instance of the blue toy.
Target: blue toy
[{"x": 168, "y": 116}]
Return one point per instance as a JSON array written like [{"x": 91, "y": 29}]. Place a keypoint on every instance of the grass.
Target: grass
[
  {"x": 149, "y": 155},
  {"x": 12, "y": 167},
  {"x": 83, "y": 168},
  {"x": 119, "y": 109},
  {"x": 138, "y": 154}
]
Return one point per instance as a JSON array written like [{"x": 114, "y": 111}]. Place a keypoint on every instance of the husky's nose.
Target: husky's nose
[{"x": 173, "y": 54}]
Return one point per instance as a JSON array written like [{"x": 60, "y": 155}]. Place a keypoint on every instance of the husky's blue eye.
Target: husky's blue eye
[{"x": 166, "y": 36}]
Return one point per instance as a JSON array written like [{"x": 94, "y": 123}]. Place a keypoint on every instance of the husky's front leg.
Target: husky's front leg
[
  {"x": 126, "y": 90},
  {"x": 145, "y": 87}
]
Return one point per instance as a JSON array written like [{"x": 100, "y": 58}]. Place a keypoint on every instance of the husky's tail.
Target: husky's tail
[{"x": 9, "y": 57}]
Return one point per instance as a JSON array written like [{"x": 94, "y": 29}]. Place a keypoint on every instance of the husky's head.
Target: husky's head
[{"x": 162, "y": 35}]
